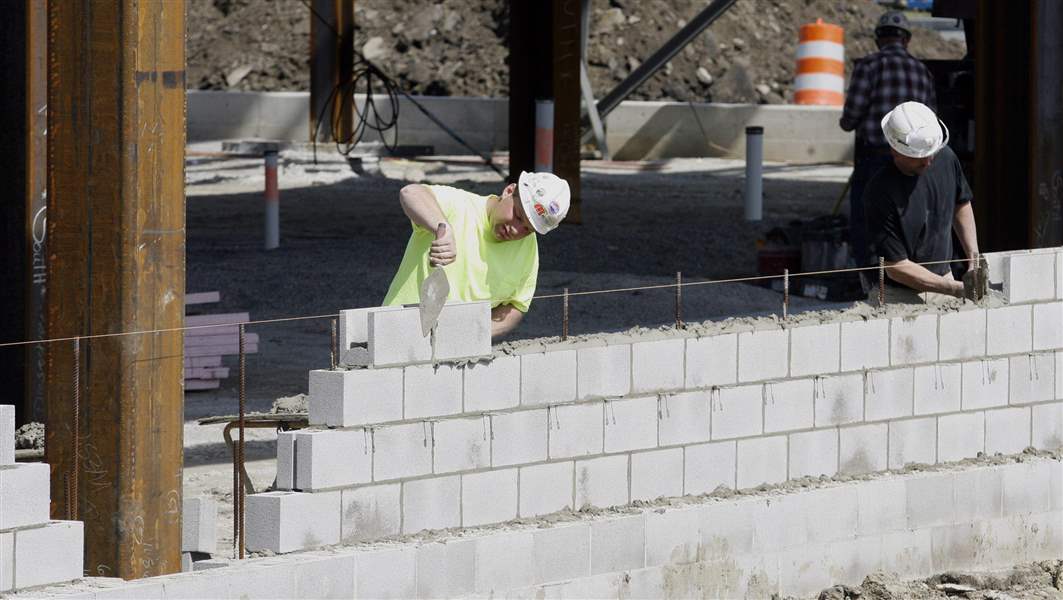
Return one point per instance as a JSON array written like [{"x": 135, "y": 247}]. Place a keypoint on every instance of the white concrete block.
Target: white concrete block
[
  {"x": 402, "y": 451},
  {"x": 962, "y": 334},
  {"x": 960, "y": 436},
  {"x": 727, "y": 528},
  {"x": 1009, "y": 330},
  {"x": 708, "y": 466},
  {"x": 49, "y": 554},
  {"x": 446, "y": 569},
  {"x": 978, "y": 494},
  {"x": 908, "y": 552},
  {"x": 658, "y": 365},
  {"x": 7, "y": 561},
  {"x": 865, "y": 344},
  {"x": 463, "y": 331},
  {"x": 738, "y": 412},
  {"x": 288, "y": 521},
  {"x": 712, "y": 360},
  {"x": 862, "y": 449},
  {"x": 937, "y": 388},
  {"x": 888, "y": 394},
  {"x": 913, "y": 339},
  {"x": 603, "y": 371},
  {"x": 1029, "y": 277},
  {"x": 830, "y": 513},
  {"x": 839, "y": 399},
  {"x": 684, "y": 418},
  {"x": 1007, "y": 430},
  {"x": 395, "y": 338},
  {"x": 1059, "y": 373},
  {"x": 325, "y": 577},
  {"x": 285, "y": 460},
  {"x": 788, "y": 405},
  {"x": 761, "y": 460},
  {"x": 631, "y": 424},
  {"x": 548, "y": 377},
  {"x": 1048, "y": 426},
  {"x": 198, "y": 525},
  {"x": 462, "y": 444},
  {"x": 492, "y": 386},
  {"x": 433, "y": 503},
  {"x": 576, "y": 430},
  {"x": 930, "y": 500},
  {"x": 778, "y": 522},
  {"x": 431, "y": 391},
  {"x": 354, "y": 326},
  {"x": 618, "y": 544},
  {"x": 804, "y": 570},
  {"x": 602, "y": 482},
  {"x": 24, "y": 495},
  {"x": 504, "y": 562},
  {"x": 673, "y": 536},
  {"x": 763, "y": 354},
  {"x": 1031, "y": 378},
  {"x": 7, "y": 434},
  {"x": 849, "y": 561},
  {"x": 815, "y": 349},
  {"x": 985, "y": 383},
  {"x": 332, "y": 458},
  {"x": 882, "y": 506},
  {"x": 387, "y": 573},
  {"x": 1027, "y": 488},
  {"x": 562, "y": 552},
  {"x": 370, "y": 513},
  {"x": 488, "y": 497},
  {"x": 1048, "y": 326},
  {"x": 912, "y": 441},
  {"x": 1059, "y": 275},
  {"x": 545, "y": 489},
  {"x": 355, "y": 397},
  {"x": 518, "y": 437},
  {"x": 813, "y": 453},
  {"x": 655, "y": 474}
]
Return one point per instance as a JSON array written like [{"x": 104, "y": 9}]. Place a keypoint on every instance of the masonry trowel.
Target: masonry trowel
[{"x": 434, "y": 291}]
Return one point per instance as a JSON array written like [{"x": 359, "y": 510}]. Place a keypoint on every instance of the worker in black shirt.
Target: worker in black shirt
[{"x": 914, "y": 204}]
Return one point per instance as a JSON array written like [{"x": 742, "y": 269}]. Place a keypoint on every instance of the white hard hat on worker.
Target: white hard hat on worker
[
  {"x": 545, "y": 198},
  {"x": 913, "y": 130}
]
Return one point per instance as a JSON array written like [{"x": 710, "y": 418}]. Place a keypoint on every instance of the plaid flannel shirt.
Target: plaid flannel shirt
[{"x": 880, "y": 82}]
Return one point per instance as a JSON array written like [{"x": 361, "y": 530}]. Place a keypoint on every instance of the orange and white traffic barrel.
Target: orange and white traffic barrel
[{"x": 820, "y": 65}]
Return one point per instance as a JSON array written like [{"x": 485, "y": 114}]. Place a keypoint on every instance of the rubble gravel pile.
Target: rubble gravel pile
[{"x": 459, "y": 47}]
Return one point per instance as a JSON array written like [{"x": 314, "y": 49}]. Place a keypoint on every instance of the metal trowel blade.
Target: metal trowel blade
[{"x": 434, "y": 291}]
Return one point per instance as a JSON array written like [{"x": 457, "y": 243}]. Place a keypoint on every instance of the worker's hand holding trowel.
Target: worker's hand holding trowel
[
  {"x": 442, "y": 251},
  {"x": 435, "y": 288},
  {"x": 976, "y": 279}
]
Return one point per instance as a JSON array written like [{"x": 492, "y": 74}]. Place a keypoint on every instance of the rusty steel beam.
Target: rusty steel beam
[
  {"x": 116, "y": 123},
  {"x": 331, "y": 63},
  {"x": 552, "y": 72},
  {"x": 36, "y": 203},
  {"x": 1046, "y": 125}
]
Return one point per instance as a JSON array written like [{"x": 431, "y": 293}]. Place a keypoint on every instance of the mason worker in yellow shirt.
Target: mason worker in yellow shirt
[{"x": 487, "y": 247}]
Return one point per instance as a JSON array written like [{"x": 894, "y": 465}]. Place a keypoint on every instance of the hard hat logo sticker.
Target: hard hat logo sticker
[
  {"x": 539, "y": 210},
  {"x": 554, "y": 208}
]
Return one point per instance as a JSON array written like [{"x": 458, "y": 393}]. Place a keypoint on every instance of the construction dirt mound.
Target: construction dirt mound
[
  {"x": 1040, "y": 580},
  {"x": 459, "y": 47}
]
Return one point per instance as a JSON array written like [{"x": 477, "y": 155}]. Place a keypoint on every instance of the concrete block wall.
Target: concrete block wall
[
  {"x": 788, "y": 544},
  {"x": 636, "y": 418},
  {"x": 34, "y": 550}
]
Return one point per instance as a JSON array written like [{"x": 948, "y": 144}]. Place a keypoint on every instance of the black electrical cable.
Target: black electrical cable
[{"x": 369, "y": 117}]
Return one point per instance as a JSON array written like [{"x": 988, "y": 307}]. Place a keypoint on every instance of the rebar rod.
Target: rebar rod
[{"x": 564, "y": 317}]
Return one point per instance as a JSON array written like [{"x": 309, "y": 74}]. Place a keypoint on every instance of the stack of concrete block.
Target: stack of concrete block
[
  {"x": 390, "y": 336},
  {"x": 34, "y": 550},
  {"x": 398, "y": 449},
  {"x": 199, "y": 537}
]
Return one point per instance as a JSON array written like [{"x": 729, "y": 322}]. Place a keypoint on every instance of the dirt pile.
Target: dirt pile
[
  {"x": 458, "y": 47},
  {"x": 30, "y": 437},
  {"x": 1040, "y": 580}
]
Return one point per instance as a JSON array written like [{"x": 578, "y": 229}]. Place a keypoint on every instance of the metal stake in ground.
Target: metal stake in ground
[
  {"x": 72, "y": 493},
  {"x": 239, "y": 498},
  {"x": 881, "y": 281},
  {"x": 564, "y": 316},
  {"x": 332, "y": 348},
  {"x": 678, "y": 299},
  {"x": 785, "y": 293}
]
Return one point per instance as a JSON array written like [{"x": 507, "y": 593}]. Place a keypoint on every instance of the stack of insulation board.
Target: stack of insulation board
[{"x": 204, "y": 346}]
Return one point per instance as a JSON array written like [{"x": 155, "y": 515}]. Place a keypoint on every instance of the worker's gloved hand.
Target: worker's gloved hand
[
  {"x": 443, "y": 251},
  {"x": 976, "y": 280}
]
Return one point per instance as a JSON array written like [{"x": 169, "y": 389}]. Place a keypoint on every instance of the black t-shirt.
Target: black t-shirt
[{"x": 911, "y": 216}]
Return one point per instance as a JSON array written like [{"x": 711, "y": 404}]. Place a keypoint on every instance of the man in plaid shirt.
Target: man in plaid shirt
[{"x": 878, "y": 83}]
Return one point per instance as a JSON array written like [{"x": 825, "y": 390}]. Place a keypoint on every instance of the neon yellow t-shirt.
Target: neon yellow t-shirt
[{"x": 485, "y": 268}]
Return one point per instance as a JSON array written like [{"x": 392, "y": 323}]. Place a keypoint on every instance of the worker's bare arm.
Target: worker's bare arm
[
  {"x": 504, "y": 318},
  {"x": 420, "y": 205},
  {"x": 963, "y": 224},
  {"x": 919, "y": 278}
]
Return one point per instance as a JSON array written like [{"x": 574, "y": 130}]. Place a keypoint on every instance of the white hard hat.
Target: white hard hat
[
  {"x": 545, "y": 198},
  {"x": 912, "y": 129}
]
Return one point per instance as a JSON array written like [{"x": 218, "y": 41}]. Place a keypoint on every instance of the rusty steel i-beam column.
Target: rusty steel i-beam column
[
  {"x": 331, "y": 62},
  {"x": 116, "y": 128}
]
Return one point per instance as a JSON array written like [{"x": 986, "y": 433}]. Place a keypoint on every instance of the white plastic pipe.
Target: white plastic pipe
[
  {"x": 544, "y": 136},
  {"x": 272, "y": 199},
  {"x": 754, "y": 172}
]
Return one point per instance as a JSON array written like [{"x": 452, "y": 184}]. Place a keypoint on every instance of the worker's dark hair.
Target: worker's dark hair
[{"x": 892, "y": 32}]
